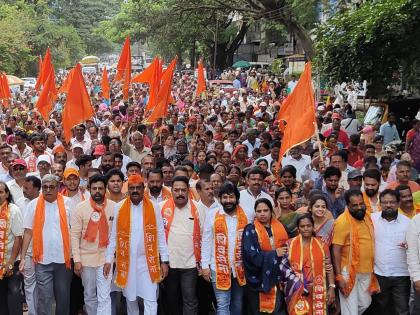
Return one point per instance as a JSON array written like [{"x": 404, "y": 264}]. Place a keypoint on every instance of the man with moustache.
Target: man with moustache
[
  {"x": 183, "y": 234},
  {"x": 155, "y": 189},
  {"x": 391, "y": 267},
  {"x": 208, "y": 202},
  {"x": 407, "y": 206},
  {"x": 371, "y": 183},
  {"x": 90, "y": 225},
  {"x": 138, "y": 241},
  {"x": 353, "y": 252},
  {"x": 223, "y": 235},
  {"x": 107, "y": 162}
]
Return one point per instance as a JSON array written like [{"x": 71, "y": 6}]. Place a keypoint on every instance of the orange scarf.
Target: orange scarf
[
  {"x": 97, "y": 223},
  {"x": 354, "y": 254},
  {"x": 268, "y": 300},
  {"x": 317, "y": 257},
  {"x": 4, "y": 227},
  {"x": 39, "y": 220},
  {"x": 123, "y": 242},
  {"x": 221, "y": 245},
  {"x": 168, "y": 212},
  {"x": 369, "y": 209}
]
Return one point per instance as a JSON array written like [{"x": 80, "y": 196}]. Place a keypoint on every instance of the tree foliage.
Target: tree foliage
[{"x": 377, "y": 42}]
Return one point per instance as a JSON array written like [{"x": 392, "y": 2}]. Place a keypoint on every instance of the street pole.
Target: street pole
[{"x": 215, "y": 48}]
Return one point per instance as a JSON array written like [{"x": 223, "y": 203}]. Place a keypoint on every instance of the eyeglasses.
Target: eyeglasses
[
  {"x": 49, "y": 187},
  {"x": 21, "y": 168}
]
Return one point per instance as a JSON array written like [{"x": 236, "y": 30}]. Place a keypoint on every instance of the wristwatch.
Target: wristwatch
[
  {"x": 10, "y": 267},
  {"x": 165, "y": 262}
]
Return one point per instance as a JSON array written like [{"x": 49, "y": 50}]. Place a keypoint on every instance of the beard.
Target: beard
[
  {"x": 106, "y": 168},
  {"x": 389, "y": 213},
  {"x": 155, "y": 189},
  {"x": 371, "y": 192},
  {"x": 359, "y": 214},
  {"x": 98, "y": 197},
  {"x": 229, "y": 207}
]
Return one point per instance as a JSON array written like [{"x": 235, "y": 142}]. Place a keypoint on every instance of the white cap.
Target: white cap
[
  {"x": 264, "y": 104},
  {"x": 76, "y": 145},
  {"x": 43, "y": 158}
]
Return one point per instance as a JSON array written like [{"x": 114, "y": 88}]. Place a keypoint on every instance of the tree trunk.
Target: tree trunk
[{"x": 304, "y": 38}]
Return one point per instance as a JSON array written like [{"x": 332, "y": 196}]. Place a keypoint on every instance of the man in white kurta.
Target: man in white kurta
[{"x": 139, "y": 283}]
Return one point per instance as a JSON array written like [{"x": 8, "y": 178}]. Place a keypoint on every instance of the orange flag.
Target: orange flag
[
  {"x": 201, "y": 81},
  {"x": 5, "y": 94},
  {"x": 105, "y": 84},
  {"x": 299, "y": 113},
  {"x": 78, "y": 107},
  {"x": 47, "y": 97},
  {"x": 65, "y": 85},
  {"x": 124, "y": 68},
  {"x": 45, "y": 70},
  {"x": 164, "y": 96},
  {"x": 152, "y": 76}
]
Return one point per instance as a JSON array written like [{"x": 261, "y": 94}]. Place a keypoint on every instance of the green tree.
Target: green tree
[{"x": 377, "y": 42}]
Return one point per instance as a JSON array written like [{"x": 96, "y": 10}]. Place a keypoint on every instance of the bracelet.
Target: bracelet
[
  {"x": 339, "y": 277},
  {"x": 332, "y": 285}
]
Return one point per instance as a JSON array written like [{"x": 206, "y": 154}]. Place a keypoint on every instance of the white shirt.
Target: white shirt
[
  {"x": 204, "y": 210},
  {"x": 180, "y": 237},
  {"x": 51, "y": 233},
  {"x": 22, "y": 203},
  {"x": 300, "y": 164},
  {"x": 15, "y": 189},
  {"x": 390, "y": 258},
  {"x": 247, "y": 202},
  {"x": 207, "y": 240},
  {"x": 139, "y": 283},
  {"x": 252, "y": 147},
  {"x": 26, "y": 152},
  {"x": 86, "y": 143}
]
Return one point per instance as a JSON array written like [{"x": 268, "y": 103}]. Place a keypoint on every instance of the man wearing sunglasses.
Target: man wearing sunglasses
[{"x": 18, "y": 170}]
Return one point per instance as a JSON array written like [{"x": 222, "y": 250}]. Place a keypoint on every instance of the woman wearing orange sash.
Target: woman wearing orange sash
[
  {"x": 266, "y": 264},
  {"x": 310, "y": 259}
]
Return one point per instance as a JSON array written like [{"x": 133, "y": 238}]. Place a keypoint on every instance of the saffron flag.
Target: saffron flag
[
  {"x": 299, "y": 113},
  {"x": 124, "y": 68},
  {"x": 5, "y": 94},
  {"x": 45, "y": 70},
  {"x": 65, "y": 85},
  {"x": 105, "y": 84},
  {"x": 78, "y": 107},
  {"x": 201, "y": 81},
  {"x": 164, "y": 95},
  {"x": 47, "y": 97},
  {"x": 152, "y": 76}
]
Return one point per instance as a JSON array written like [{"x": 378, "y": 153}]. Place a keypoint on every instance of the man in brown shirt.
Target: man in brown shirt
[{"x": 90, "y": 226}]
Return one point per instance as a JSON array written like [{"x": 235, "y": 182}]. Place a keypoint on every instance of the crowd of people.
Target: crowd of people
[{"x": 193, "y": 214}]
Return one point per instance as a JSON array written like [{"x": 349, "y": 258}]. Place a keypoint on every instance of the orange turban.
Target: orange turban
[
  {"x": 59, "y": 149},
  {"x": 135, "y": 179}
]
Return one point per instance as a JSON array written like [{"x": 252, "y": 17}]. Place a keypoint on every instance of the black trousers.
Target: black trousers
[
  {"x": 394, "y": 296},
  {"x": 10, "y": 296},
  {"x": 180, "y": 295}
]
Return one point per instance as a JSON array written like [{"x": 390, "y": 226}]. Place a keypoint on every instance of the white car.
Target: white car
[{"x": 29, "y": 83}]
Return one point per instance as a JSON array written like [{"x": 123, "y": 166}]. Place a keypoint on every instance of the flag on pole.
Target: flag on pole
[
  {"x": 105, "y": 84},
  {"x": 124, "y": 68},
  {"x": 152, "y": 76},
  {"x": 164, "y": 95},
  {"x": 201, "y": 81},
  {"x": 78, "y": 107},
  {"x": 48, "y": 96},
  {"x": 299, "y": 113},
  {"x": 5, "y": 94},
  {"x": 45, "y": 70}
]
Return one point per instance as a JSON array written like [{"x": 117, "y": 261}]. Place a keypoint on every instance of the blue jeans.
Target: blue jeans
[{"x": 229, "y": 302}]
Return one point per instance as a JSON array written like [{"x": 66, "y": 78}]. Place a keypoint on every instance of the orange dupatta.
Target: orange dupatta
[
  {"x": 168, "y": 212},
  {"x": 317, "y": 258},
  {"x": 268, "y": 300},
  {"x": 4, "y": 227},
  {"x": 97, "y": 223},
  {"x": 221, "y": 245},
  {"x": 123, "y": 242},
  {"x": 354, "y": 254},
  {"x": 38, "y": 226},
  {"x": 369, "y": 209}
]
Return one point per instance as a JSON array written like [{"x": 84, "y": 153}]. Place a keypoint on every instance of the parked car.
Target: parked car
[
  {"x": 29, "y": 83},
  {"x": 225, "y": 85}
]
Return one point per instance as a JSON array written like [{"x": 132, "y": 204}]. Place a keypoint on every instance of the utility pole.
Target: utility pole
[{"x": 215, "y": 48}]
